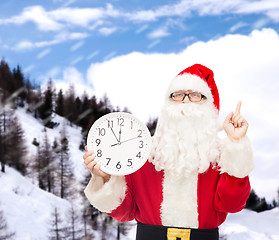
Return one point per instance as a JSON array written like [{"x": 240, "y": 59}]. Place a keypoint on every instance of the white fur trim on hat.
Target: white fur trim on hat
[
  {"x": 236, "y": 157},
  {"x": 192, "y": 82},
  {"x": 106, "y": 196}
]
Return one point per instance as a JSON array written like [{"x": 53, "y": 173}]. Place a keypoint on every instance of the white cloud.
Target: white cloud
[
  {"x": 71, "y": 76},
  {"x": 184, "y": 8},
  {"x": 62, "y": 17},
  {"x": 35, "y": 14},
  {"x": 246, "y": 68},
  {"x": 158, "y": 33},
  {"x": 24, "y": 45},
  {"x": 188, "y": 40},
  {"x": 67, "y": 17},
  {"x": 59, "y": 38},
  {"x": 106, "y": 31},
  {"x": 260, "y": 23}
]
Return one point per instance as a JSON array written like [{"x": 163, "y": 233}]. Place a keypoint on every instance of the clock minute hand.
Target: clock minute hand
[
  {"x": 114, "y": 135},
  {"x": 129, "y": 139},
  {"x": 125, "y": 141}
]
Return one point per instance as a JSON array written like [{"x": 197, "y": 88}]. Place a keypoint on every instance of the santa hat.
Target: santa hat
[{"x": 197, "y": 78}]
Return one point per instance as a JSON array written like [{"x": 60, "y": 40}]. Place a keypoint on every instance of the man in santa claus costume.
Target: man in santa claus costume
[{"x": 192, "y": 179}]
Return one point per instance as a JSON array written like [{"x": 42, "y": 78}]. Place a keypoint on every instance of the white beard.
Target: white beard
[{"x": 186, "y": 138}]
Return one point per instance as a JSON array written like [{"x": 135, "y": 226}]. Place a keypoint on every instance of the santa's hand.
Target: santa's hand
[
  {"x": 235, "y": 125},
  {"x": 93, "y": 166}
]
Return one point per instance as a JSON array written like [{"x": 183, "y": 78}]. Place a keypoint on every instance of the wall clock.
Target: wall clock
[{"x": 121, "y": 143}]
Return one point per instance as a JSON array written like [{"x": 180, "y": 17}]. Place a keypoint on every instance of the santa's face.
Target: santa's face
[{"x": 186, "y": 135}]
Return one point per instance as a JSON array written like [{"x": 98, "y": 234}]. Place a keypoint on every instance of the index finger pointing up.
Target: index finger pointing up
[{"x": 238, "y": 106}]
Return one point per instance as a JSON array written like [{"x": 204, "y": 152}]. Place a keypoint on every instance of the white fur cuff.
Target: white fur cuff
[
  {"x": 106, "y": 196},
  {"x": 236, "y": 157}
]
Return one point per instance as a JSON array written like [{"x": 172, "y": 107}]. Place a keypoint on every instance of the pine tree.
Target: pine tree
[
  {"x": 59, "y": 107},
  {"x": 64, "y": 170},
  {"x": 2, "y": 145},
  {"x": 16, "y": 149},
  {"x": 38, "y": 166},
  {"x": 45, "y": 165},
  {"x": 57, "y": 230},
  {"x": 151, "y": 125},
  {"x": 89, "y": 213},
  {"x": 69, "y": 104},
  {"x": 19, "y": 87},
  {"x": 85, "y": 112},
  {"x": 77, "y": 110},
  {"x": 5, "y": 116},
  {"x": 74, "y": 231},
  {"x": 46, "y": 109},
  {"x": 6, "y": 82},
  {"x": 33, "y": 99},
  {"x": 257, "y": 204}
]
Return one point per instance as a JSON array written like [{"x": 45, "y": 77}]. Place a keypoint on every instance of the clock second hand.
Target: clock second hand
[{"x": 124, "y": 141}]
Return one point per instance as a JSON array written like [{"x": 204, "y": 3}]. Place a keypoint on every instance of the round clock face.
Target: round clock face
[{"x": 121, "y": 143}]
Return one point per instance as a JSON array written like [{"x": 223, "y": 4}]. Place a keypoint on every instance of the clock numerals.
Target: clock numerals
[
  {"x": 99, "y": 153},
  {"x": 110, "y": 123},
  {"x": 102, "y": 131},
  {"x": 108, "y": 161},
  {"x": 132, "y": 124},
  {"x": 138, "y": 155},
  {"x": 120, "y": 122},
  {"x": 118, "y": 165},
  {"x": 130, "y": 163},
  {"x": 140, "y": 133},
  {"x": 141, "y": 144},
  {"x": 98, "y": 141}
]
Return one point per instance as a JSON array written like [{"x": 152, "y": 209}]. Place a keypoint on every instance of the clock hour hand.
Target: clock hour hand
[{"x": 120, "y": 134}]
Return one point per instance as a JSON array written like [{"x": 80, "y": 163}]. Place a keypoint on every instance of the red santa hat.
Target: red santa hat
[{"x": 197, "y": 78}]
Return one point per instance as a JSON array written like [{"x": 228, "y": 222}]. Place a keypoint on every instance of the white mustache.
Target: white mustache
[{"x": 186, "y": 110}]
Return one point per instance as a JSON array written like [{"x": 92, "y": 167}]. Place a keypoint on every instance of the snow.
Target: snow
[
  {"x": 27, "y": 209},
  {"x": 33, "y": 128},
  {"x": 251, "y": 225}
]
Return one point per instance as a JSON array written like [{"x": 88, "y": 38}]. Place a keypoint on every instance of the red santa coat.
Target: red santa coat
[{"x": 198, "y": 200}]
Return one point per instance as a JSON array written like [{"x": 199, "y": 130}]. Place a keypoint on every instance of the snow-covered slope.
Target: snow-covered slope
[
  {"x": 249, "y": 225},
  {"x": 27, "y": 209},
  {"x": 33, "y": 128}
]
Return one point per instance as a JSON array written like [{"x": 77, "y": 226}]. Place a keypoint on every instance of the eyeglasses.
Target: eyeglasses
[{"x": 193, "y": 96}]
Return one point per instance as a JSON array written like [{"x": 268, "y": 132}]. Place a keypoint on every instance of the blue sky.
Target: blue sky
[{"x": 45, "y": 37}]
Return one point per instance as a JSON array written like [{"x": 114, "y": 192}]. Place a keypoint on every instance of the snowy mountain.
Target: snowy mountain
[{"x": 28, "y": 209}]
